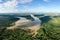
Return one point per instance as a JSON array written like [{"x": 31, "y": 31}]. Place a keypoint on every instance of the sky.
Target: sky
[{"x": 18, "y": 6}]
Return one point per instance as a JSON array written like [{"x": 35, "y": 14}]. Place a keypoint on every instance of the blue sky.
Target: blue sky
[{"x": 17, "y": 6}]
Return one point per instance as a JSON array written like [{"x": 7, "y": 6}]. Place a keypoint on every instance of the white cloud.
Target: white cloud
[
  {"x": 6, "y": 10},
  {"x": 10, "y": 6}
]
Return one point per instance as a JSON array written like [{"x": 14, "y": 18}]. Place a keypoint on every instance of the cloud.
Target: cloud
[
  {"x": 11, "y": 5},
  {"x": 6, "y": 10}
]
